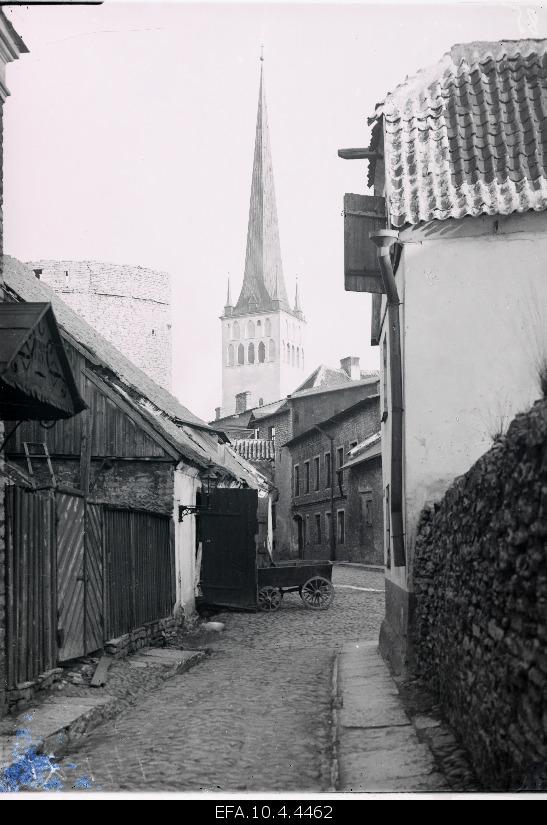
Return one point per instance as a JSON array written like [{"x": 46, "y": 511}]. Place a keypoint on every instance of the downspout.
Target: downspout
[
  {"x": 332, "y": 524},
  {"x": 384, "y": 239}
]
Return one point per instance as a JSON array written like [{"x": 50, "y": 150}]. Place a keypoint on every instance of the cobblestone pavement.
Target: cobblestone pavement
[{"x": 254, "y": 716}]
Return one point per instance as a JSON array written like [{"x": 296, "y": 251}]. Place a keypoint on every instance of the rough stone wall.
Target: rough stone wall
[
  {"x": 129, "y": 305},
  {"x": 480, "y": 622}
]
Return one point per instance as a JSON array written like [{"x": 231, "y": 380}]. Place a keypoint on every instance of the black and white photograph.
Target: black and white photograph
[{"x": 273, "y": 403}]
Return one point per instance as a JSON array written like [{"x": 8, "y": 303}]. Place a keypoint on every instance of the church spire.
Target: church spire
[
  {"x": 263, "y": 267},
  {"x": 297, "y": 308},
  {"x": 229, "y": 307}
]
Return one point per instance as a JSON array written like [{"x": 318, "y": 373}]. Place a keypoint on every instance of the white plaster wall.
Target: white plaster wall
[
  {"x": 475, "y": 319},
  {"x": 186, "y": 486},
  {"x": 274, "y": 378}
]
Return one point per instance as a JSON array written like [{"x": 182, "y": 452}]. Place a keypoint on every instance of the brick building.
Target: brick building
[
  {"x": 325, "y": 393},
  {"x": 336, "y": 488},
  {"x": 129, "y": 305}
]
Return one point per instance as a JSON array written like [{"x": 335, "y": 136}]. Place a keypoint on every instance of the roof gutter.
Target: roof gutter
[{"x": 384, "y": 239}]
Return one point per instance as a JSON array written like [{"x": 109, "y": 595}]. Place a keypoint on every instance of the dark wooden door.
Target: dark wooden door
[
  {"x": 70, "y": 575},
  {"x": 228, "y": 562}
]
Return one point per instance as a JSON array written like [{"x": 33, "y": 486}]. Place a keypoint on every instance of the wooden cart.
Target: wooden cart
[{"x": 311, "y": 579}]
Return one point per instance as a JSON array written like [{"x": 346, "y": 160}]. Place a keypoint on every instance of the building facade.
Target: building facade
[
  {"x": 263, "y": 335},
  {"x": 336, "y": 500},
  {"x": 459, "y": 304},
  {"x": 129, "y": 305}
]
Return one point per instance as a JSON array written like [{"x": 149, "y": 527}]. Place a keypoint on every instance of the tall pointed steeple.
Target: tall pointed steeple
[
  {"x": 263, "y": 266},
  {"x": 297, "y": 308},
  {"x": 228, "y": 307}
]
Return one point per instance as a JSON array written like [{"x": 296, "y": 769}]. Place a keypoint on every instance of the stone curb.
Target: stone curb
[
  {"x": 335, "y": 705},
  {"x": 56, "y": 743}
]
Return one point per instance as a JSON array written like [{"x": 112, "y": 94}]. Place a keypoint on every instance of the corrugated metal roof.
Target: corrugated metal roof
[
  {"x": 468, "y": 135},
  {"x": 255, "y": 449}
]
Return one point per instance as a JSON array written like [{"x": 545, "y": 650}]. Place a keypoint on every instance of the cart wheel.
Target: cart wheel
[
  {"x": 269, "y": 599},
  {"x": 317, "y": 593}
]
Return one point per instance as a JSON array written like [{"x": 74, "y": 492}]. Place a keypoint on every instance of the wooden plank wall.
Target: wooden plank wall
[{"x": 31, "y": 591}]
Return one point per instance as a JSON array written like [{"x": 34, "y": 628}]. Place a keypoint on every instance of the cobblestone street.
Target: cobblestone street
[{"x": 254, "y": 716}]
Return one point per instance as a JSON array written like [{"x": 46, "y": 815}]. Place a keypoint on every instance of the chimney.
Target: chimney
[
  {"x": 351, "y": 367},
  {"x": 241, "y": 401},
  {"x": 217, "y": 413}
]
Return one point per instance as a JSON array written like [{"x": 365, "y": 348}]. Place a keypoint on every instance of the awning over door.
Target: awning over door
[{"x": 36, "y": 381}]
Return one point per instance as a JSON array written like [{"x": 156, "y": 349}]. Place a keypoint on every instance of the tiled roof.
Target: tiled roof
[
  {"x": 255, "y": 449},
  {"x": 467, "y": 136},
  {"x": 185, "y": 431}
]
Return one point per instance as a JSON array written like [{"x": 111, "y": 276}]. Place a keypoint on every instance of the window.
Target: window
[
  {"x": 327, "y": 470},
  {"x": 261, "y": 352},
  {"x": 298, "y": 356},
  {"x": 368, "y": 510},
  {"x": 235, "y": 332},
  {"x": 307, "y": 477},
  {"x": 231, "y": 355},
  {"x": 272, "y": 349},
  {"x": 353, "y": 445},
  {"x": 260, "y": 402},
  {"x": 38, "y": 272},
  {"x": 268, "y": 328},
  {"x": 307, "y": 530},
  {"x": 340, "y": 453},
  {"x": 292, "y": 356},
  {"x": 366, "y": 516},
  {"x": 258, "y": 328},
  {"x": 316, "y": 473},
  {"x": 328, "y": 528},
  {"x": 240, "y": 354},
  {"x": 297, "y": 480},
  {"x": 318, "y": 528},
  {"x": 251, "y": 354},
  {"x": 341, "y": 526},
  {"x": 271, "y": 433},
  {"x": 250, "y": 331}
]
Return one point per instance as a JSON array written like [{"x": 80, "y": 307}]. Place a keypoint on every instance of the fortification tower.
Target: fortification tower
[
  {"x": 263, "y": 348},
  {"x": 129, "y": 305}
]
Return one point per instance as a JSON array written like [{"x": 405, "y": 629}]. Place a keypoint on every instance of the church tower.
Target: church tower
[{"x": 263, "y": 348}]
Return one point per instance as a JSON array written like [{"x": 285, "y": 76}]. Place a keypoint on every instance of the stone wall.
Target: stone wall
[
  {"x": 480, "y": 619},
  {"x": 129, "y": 305}
]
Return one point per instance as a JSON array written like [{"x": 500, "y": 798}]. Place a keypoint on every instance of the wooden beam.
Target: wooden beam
[{"x": 359, "y": 154}]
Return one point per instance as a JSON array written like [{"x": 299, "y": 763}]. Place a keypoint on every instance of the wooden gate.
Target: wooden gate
[
  {"x": 80, "y": 575},
  {"x": 140, "y": 564},
  {"x": 31, "y": 605},
  {"x": 228, "y": 560}
]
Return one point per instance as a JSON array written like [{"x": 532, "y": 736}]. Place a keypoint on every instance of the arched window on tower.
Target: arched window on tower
[
  {"x": 250, "y": 329},
  {"x": 268, "y": 328},
  {"x": 286, "y": 328},
  {"x": 231, "y": 355},
  {"x": 259, "y": 329},
  {"x": 292, "y": 355},
  {"x": 251, "y": 354},
  {"x": 260, "y": 402},
  {"x": 288, "y": 353},
  {"x": 298, "y": 356},
  {"x": 241, "y": 354},
  {"x": 235, "y": 332},
  {"x": 272, "y": 350},
  {"x": 261, "y": 352}
]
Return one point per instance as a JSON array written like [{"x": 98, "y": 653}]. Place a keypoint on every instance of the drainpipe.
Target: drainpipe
[
  {"x": 384, "y": 239},
  {"x": 332, "y": 519}
]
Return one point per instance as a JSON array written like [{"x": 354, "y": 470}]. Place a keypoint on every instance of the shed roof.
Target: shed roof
[
  {"x": 191, "y": 436},
  {"x": 467, "y": 136}
]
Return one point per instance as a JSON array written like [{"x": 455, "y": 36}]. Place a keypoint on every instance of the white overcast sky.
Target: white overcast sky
[{"x": 128, "y": 137}]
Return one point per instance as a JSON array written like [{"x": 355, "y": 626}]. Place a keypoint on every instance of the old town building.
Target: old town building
[
  {"x": 457, "y": 166},
  {"x": 263, "y": 346}
]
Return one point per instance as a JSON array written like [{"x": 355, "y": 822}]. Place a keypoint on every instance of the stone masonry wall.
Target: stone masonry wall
[
  {"x": 129, "y": 305},
  {"x": 480, "y": 622}
]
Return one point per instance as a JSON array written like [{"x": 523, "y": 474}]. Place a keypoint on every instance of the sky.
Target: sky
[{"x": 129, "y": 133}]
